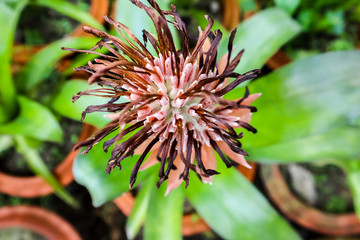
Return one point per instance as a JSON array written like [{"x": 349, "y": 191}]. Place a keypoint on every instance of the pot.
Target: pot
[
  {"x": 34, "y": 186},
  {"x": 47, "y": 224},
  {"x": 306, "y": 216}
]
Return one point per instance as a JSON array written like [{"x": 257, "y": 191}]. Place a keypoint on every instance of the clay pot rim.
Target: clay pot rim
[
  {"x": 189, "y": 227},
  {"x": 39, "y": 220},
  {"x": 34, "y": 186},
  {"x": 306, "y": 216}
]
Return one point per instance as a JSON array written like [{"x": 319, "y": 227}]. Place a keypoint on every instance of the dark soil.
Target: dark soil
[
  {"x": 13, "y": 163},
  {"x": 333, "y": 193}
]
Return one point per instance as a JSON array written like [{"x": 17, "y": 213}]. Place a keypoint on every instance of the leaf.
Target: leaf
[
  {"x": 37, "y": 165},
  {"x": 9, "y": 15},
  {"x": 164, "y": 214},
  {"x": 63, "y": 103},
  {"x": 39, "y": 67},
  {"x": 138, "y": 213},
  {"x": 306, "y": 98},
  {"x": 89, "y": 171},
  {"x": 34, "y": 120},
  {"x": 339, "y": 143},
  {"x": 352, "y": 168},
  {"x": 288, "y": 5},
  {"x": 235, "y": 209},
  {"x": 71, "y": 10},
  {"x": 262, "y": 36}
]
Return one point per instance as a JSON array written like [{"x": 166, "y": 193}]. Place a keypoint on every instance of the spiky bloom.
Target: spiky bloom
[{"x": 175, "y": 107}]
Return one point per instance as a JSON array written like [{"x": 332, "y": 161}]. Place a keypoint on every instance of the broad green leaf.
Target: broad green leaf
[
  {"x": 262, "y": 36},
  {"x": 9, "y": 15},
  {"x": 71, "y": 10},
  {"x": 288, "y": 5},
  {"x": 63, "y": 103},
  {"x": 89, "y": 171},
  {"x": 164, "y": 214},
  {"x": 6, "y": 141},
  {"x": 37, "y": 165},
  {"x": 339, "y": 143},
  {"x": 138, "y": 213},
  {"x": 39, "y": 67},
  {"x": 235, "y": 209},
  {"x": 35, "y": 121},
  {"x": 308, "y": 97}
]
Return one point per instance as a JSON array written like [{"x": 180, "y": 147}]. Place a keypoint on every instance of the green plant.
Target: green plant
[
  {"x": 24, "y": 122},
  {"x": 308, "y": 112}
]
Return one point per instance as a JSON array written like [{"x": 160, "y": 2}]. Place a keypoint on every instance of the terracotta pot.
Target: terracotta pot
[
  {"x": 43, "y": 222},
  {"x": 306, "y": 216},
  {"x": 98, "y": 8},
  {"x": 35, "y": 186},
  {"x": 126, "y": 202},
  {"x": 231, "y": 14}
]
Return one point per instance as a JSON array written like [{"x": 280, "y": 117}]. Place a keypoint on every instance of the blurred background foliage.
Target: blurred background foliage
[{"x": 308, "y": 112}]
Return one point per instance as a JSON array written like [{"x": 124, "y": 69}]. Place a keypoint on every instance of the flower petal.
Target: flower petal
[
  {"x": 209, "y": 161},
  {"x": 140, "y": 149},
  {"x": 150, "y": 161},
  {"x": 240, "y": 159},
  {"x": 244, "y": 113},
  {"x": 174, "y": 177}
]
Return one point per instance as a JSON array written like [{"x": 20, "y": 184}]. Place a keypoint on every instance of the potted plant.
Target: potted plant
[{"x": 293, "y": 129}]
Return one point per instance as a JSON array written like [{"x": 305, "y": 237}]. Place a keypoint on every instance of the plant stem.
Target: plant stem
[{"x": 36, "y": 164}]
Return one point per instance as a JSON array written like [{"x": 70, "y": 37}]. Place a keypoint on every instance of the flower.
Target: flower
[{"x": 175, "y": 107}]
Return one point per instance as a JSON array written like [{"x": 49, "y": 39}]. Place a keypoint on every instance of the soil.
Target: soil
[
  {"x": 41, "y": 25},
  {"x": 333, "y": 193},
  {"x": 13, "y": 163}
]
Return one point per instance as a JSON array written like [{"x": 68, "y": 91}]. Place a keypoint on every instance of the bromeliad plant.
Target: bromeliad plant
[
  {"x": 175, "y": 104},
  {"x": 308, "y": 112},
  {"x": 24, "y": 123}
]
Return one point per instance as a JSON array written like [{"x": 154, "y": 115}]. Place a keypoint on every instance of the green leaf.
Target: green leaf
[
  {"x": 288, "y": 5},
  {"x": 34, "y": 120},
  {"x": 9, "y": 15},
  {"x": 89, "y": 171},
  {"x": 63, "y": 103},
  {"x": 71, "y": 10},
  {"x": 37, "y": 165},
  {"x": 163, "y": 218},
  {"x": 235, "y": 209},
  {"x": 138, "y": 213},
  {"x": 39, "y": 67},
  {"x": 261, "y": 36},
  {"x": 352, "y": 168},
  {"x": 339, "y": 143},
  {"x": 306, "y": 98}
]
